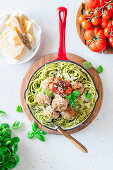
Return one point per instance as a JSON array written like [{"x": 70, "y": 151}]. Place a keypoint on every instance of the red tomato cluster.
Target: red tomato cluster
[
  {"x": 98, "y": 23},
  {"x": 61, "y": 86}
]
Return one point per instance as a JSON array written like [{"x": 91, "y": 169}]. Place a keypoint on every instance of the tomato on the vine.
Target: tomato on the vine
[
  {"x": 95, "y": 39},
  {"x": 110, "y": 41},
  {"x": 110, "y": 7},
  {"x": 104, "y": 23},
  {"x": 95, "y": 20},
  {"x": 86, "y": 24},
  {"x": 82, "y": 18},
  {"x": 108, "y": 31},
  {"x": 88, "y": 34},
  {"x": 97, "y": 12},
  {"x": 89, "y": 12},
  {"x": 103, "y": 2},
  {"x": 92, "y": 3},
  {"x": 106, "y": 14}
]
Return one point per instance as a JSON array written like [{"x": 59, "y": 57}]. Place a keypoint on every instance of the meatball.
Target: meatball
[
  {"x": 43, "y": 99},
  {"x": 51, "y": 113},
  {"x": 69, "y": 113},
  {"x": 46, "y": 83},
  {"x": 78, "y": 86},
  {"x": 59, "y": 104}
]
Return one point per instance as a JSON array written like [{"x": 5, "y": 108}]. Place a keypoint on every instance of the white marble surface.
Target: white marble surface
[{"x": 57, "y": 153}]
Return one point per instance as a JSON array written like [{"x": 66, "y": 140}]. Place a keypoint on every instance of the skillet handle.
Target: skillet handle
[
  {"x": 74, "y": 141},
  {"x": 62, "y": 14}
]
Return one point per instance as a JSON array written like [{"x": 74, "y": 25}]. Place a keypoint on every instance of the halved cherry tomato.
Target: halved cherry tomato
[
  {"x": 57, "y": 79},
  {"x": 96, "y": 41},
  {"x": 106, "y": 14},
  {"x": 110, "y": 7},
  {"x": 52, "y": 87},
  {"x": 97, "y": 12},
  {"x": 95, "y": 20},
  {"x": 110, "y": 41},
  {"x": 89, "y": 12},
  {"x": 108, "y": 31},
  {"x": 86, "y": 24},
  {"x": 67, "y": 83},
  {"x": 104, "y": 23},
  {"x": 82, "y": 18},
  {"x": 69, "y": 90}
]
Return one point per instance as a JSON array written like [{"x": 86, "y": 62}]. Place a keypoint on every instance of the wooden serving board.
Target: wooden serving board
[
  {"x": 80, "y": 30},
  {"x": 49, "y": 58}
]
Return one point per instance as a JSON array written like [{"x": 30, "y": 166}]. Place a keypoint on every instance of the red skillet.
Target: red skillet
[{"x": 62, "y": 13}]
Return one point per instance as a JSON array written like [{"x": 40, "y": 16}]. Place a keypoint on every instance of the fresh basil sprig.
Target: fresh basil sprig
[
  {"x": 72, "y": 97},
  {"x": 8, "y": 148},
  {"x": 36, "y": 132}
]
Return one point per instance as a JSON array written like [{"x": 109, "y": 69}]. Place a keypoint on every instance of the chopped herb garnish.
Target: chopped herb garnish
[
  {"x": 19, "y": 108},
  {"x": 87, "y": 65},
  {"x": 99, "y": 69},
  {"x": 48, "y": 93},
  {"x": 40, "y": 89}
]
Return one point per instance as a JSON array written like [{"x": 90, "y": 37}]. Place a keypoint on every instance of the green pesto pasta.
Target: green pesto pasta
[{"x": 67, "y": 71}]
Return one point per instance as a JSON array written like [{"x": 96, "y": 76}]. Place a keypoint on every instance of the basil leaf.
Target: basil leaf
[
  {"x": 87, "y": 65},
  {"x": 34, "y": 126},
  {"x": 48, "y": 93},
  {"x": 42, "y": 132},
  {"x": 15, "y": 139},
  {"x": 30, "y": 135},
  {"x": 40, "y": 137},
  {"x": 14, "y": 147},
  {"x": 16, "y": 125},
  {"x": 19, "y": 108},
  {"x": 75, "y": 93},
  {"x": 2, "y": 113}
]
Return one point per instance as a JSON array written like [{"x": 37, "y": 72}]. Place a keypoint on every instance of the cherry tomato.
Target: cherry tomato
[
  {"x": 103, "y": 2},
  {"x": 110, "y": 41},
  {"x": 96, "y": 39},
  {"x": 95, "y": 20},
  {"x": 108, "y": 31},
  {"x": 89, "y": 34},
  {"x": 69, "y": 90},
  {"x": 97, "y": 12},
  {"x": 52, "y": 87},
  {"x": 57, "y": 79},
  {"x": 86, "y": 24},
  {"x": 104, "y": 23},
  {"x": 110, "y": 24},
  {"x": 110, "y": 7},
  {"x": 89, "y": 12},
  {"x": 67, "y": 83},
  {"x": 82, "y": 18},
  {"x": 92, "y": 3},
  {"x": 106, "y": 14}
]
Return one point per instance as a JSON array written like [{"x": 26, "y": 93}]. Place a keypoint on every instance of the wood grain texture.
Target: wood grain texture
[
  {"x": 80, "y": 30},
  {"x": 46, "y": 59}
]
